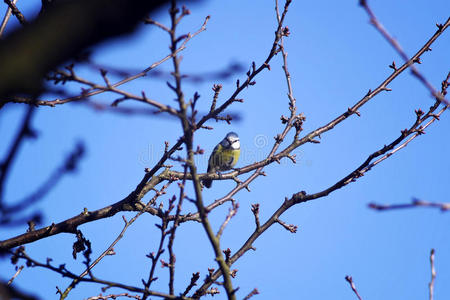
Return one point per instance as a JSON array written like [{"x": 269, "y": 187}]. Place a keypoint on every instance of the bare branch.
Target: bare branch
[
  {"x": 129, "y": 203},
  {"x": 251, "y": 294},
  {"x": 194, "y": 279},
  {"x": 231, "y": 213},
  {"x": 119, "y": 237},
  {"x": 6, "y": 18},
  {"x": 20, "y": 254},
  {"x": 374, "y": 21},
  {"x": 16, "y": 12},
  {"x": 96, "y": 91},
  {"x": 414, "y": 203}
]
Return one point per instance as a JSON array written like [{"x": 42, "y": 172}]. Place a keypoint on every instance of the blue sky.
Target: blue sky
[{"x": 335, "y": 57}]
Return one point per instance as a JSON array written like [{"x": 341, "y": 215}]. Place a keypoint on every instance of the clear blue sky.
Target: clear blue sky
[{"x": 335, "y": 57}]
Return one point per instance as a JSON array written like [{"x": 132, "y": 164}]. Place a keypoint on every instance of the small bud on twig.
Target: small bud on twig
[{"x": 393, "y": 66}]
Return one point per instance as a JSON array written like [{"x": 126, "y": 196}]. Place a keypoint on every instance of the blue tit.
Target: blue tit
[{"x": 224, "y": 156}]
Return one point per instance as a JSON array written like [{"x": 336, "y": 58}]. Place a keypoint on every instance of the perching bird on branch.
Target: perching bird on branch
[{"x": 224, "y": 156}]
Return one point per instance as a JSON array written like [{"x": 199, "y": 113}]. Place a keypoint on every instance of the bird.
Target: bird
[{"x": 224, "y": 156}]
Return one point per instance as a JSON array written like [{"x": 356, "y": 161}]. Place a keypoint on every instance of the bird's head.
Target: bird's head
[{"x": 231, "y": 140}]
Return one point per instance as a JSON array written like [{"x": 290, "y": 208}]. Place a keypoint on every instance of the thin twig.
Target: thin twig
[
  {"x": 156, "y": 257},
  {"x": 6, "y": 18},
  {"x": 25, "y": 131},
  {"x": 255, "y": 211},
  {"x": 157, "y": 24},
  {"x": 231, "y": 213},
  {"x": 289, "y": 227},
  {"x": 433, "y": 274},
  {"x": 69, "y": 165},
  {"x": 172, "y": 234},
  {"x": 251, "y": 294},
  {"x": 352, "y": 285},
  {"x": 114, "y": 296},
  {"x": 194, "y": 279},
  {"x": 15, "y": 11},
  {"x": 15, "y": 275}
]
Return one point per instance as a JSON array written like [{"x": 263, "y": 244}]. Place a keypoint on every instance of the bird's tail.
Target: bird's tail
[{"x": 207, "y": 182}]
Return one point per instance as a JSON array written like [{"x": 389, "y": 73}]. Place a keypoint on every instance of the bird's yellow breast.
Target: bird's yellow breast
[{"x": 223, "y": 159}]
